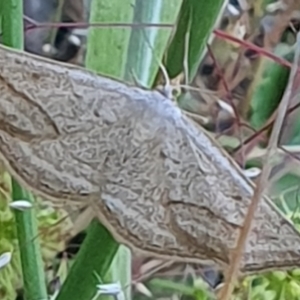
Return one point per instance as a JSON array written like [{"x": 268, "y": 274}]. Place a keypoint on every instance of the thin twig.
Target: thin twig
[
  {"x": 35, "y": 25},
  {"x": 263, "y": 129},
  {"x": 249, "y": 45},
  {"x": 219, "y": 33},
  {"x": 258, "y": 192},
  {"x": 229, "y": 98}
]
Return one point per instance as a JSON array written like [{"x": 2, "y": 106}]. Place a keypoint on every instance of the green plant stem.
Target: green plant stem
[
  {"x": 94, "y": 258},
  {"x": 31, "y": 258},
  {"x": 12, "y": 23},
  {"x": 26, "y": 223}
]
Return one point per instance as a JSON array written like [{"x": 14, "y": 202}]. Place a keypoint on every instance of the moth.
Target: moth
[{"x": 158, "y": 181}]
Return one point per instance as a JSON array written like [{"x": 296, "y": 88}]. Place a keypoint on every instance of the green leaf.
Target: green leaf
[
  {"x": 107, "y": 47},
  {"x": 171, "y": 286},
  {"x": 131, "y": 51},
  {"x": 270, "y": 88},
  {"x": 120, "y": 270},
  {"x": 197, "y": 19},
  {"x": 147, "y": 45}
]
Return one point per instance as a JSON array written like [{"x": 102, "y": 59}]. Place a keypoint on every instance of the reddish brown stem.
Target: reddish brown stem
[{"x": 248, "y": 45}]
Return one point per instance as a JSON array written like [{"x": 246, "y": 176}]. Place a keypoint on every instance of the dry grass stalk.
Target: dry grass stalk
[{"x": 233, "y": 270}]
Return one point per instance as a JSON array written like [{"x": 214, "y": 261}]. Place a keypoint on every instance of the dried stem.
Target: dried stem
[
  {"x": 219, "y": 33},
  {"x": 232, "y": 273},
  {"x": 249, "y": 45},
  {"x": 263, "y": 129},
  {"x": 229, "y": 97}
]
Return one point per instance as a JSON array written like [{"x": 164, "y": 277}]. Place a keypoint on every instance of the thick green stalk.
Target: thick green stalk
[
  {"x": 94, "y": 258},
  {"x": 31, "y": 258},
  {"x": 26, "y": 223}
]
